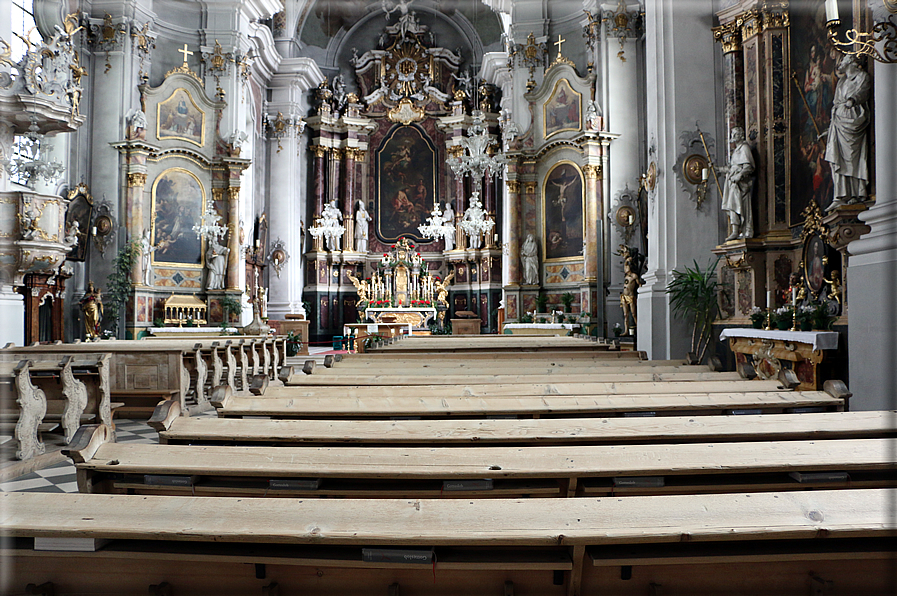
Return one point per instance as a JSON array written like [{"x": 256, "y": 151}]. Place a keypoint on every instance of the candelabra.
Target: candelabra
[
  {"x": 210, "y": 225},
  {"x": 860, "y": 43},
  {"x": 477, "y": 163},
  {"x": 31, "y": 158}
]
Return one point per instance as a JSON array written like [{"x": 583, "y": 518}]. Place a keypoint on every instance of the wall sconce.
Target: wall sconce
[
  {"x": 278, "y": 256},
  {"x": 625, "y": 215},
  {"x": 859, "y": 43},
  {"x": 648, "y": 180},
  {"x": 696, "y": 171},
  {"x": 104, "y": 224}
]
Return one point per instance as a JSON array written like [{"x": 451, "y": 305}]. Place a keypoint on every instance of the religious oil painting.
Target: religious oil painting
[
  {"x": 78, "y": 218},
  {"x": 406, "y": 183},
  {"x": 562, "y": 111},
  {"x": 178, "y": 203},
  {"x": 178, "y": 117},
  {"x": 814, "y": 62},
  {"x": 814, "y": 263},
  {"x": 562, "y": 208}
]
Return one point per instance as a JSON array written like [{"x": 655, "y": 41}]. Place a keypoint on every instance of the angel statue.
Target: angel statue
[
  {"x": 441, "y": 288},
  {"x": 361, "y": 286}
]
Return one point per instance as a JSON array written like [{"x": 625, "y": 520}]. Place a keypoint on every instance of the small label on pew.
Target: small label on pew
[
  {"x": 83, "y": 545},
  {"x": 820, "y": 476},
  {"x": 746, "y": 412},
  {"x": 807, "y": 410},
  {"x": 479, "y": 484},
  {"x": 295, "y": 484},
  {"x": 639, "y": 481},
  {"x": 639, "y": 414},
  {"x": 168, "y": 480},
  {"x": 396, "y": 555}
]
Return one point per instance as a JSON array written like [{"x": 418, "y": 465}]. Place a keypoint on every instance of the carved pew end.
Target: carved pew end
[
  {"x": 691, "y": 358},
  {"x": 86, "y": 441},
  {"x": 328, "y": 361},
  {"x": 258, "y": 384},
  {"x": 788, "y": 378},
  {"x": 837, "y": 388},
  {"x": 308, "y": 367},
  {"x": 166, "y": 413},
  {"x": 286, "y": 374},
  {"x": 221, "y": 395},
  {"x": 716, "y": 365},
  {"x": 746, "y": 370},
  {"x": 337, "y": 357}
]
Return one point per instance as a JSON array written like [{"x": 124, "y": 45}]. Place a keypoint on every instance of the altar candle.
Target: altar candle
[
  {"x": 769, "y": 303},
  {"x": 831, "y": 11},
  {"x": 93, "y": 230},
  {"x": 705, "y": 174},
  {"x": 794, "y": 295}
]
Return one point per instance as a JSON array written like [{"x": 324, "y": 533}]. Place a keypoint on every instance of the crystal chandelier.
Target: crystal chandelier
[
  {"x": 31, "y": 159},
  {"x": 475, "y": 221},
  {"x": 477, "y": 163},
  {"x": 210, "y": 227},
  {"x": 436, "y": 227}
]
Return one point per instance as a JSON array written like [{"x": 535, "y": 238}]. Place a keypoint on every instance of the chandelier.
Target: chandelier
[
  {"x": 210, "y": 226},
  {"x": 477, "y": 163},
  {"x": 329, "y": 227},
  {"x": 31, "y": 158},
  {"x": 475, "y": 221},
  {"x": 436, "y": 227}
]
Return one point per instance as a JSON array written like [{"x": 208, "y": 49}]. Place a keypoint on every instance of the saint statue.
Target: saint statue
[
  {"x": 332, "y": 217},
  {"x": 739, "y": 184},
  {"x": 632, "y": 280},
  {"x": 92, "y": 307},
  {"x": 216, "y": 263},
  {"x": 448, "y": 216},
  {"x": 846, "y": 149},
  {"x": 362, "y": 219},
  {"x": 529, "y": 254},
  {"x": 146, "y": 251}
]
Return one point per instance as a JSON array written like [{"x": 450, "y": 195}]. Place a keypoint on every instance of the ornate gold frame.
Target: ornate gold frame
[
  {"x": 554, "y": 92},
  {"x": 582, "y": 182},
  {"x": 202, "y": 126},
  {"x": 202, "y": 244}
]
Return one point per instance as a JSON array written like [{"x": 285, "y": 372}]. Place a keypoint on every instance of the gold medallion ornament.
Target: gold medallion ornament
[{"x": 406, "y": 112}]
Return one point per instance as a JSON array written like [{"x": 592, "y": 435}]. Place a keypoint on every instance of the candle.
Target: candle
[
  {"x": 831, "y": 11},
  {"x": 794, "y": 295},
  {"x": 705, "y": 174},
  {"x": 258, "y": 242},
  {"x": 769, "y": 303},
  {"x": 93, "y": 230}
]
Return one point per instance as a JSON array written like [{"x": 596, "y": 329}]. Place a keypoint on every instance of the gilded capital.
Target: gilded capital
[
  {"x": 337, "y": 153},
  {"x": 513, "y": 186},
  {"x": 530, "y": 188},
  {"x": 455, "y": 151},
  {"x": 729, "y": 36},
  {"x": 137, "y": 179},
  {"x": 319, "y": 150},
  {"x": 592, "y": 172},
  {"x": 217, "y": 194},
  {"x": 233, "y": 193}
]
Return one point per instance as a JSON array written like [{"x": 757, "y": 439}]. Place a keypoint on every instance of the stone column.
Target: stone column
[
  {"x": 320, "y": 189},
  {"x": 134, "y": 200},
  {"x": 592, "y": 219},
  {"x": 349, "y": 198},
  {"x": 513, "y": 277},
  {"x": 872, "y": 331},
  {"x": 234, "y": 262}
]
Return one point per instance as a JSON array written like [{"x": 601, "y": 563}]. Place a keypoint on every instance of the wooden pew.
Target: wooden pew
[
  {"x": 760, "y": 543},
  {"x": 53, "y": 389},
  {"x": 551, "y": 406},
  {"x": 177, "y": 430},
  {"x": 461, "y": 472}
]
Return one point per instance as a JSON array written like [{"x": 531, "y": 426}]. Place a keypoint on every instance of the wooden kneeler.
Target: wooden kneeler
[{"x": 258, "y": 384}]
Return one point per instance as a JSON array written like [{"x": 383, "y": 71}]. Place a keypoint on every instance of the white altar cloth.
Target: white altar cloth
[{"x": 820, "y": 340}]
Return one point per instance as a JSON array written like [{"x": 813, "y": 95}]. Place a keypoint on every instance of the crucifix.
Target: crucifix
[
  {"x": 187, "y": 52},
  {"x": 557, "y": 43}
]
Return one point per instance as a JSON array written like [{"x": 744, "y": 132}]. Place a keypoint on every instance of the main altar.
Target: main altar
[{"x": 402, "y": 290}]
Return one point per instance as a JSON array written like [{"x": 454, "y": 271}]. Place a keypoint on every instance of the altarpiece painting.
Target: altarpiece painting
[
  {"x": 562, "y": 111},
  {"x": 178, "y": 204},
  {"x": 178, "y": 117},
  {"x": 562, "y": 208},
  {"x": 406, "y": 181}
]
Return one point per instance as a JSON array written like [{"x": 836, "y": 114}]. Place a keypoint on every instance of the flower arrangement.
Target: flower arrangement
[
  {"x": 421, "y": 303},
  {"x": 618, "y": 330},
  {"x": 783, "y": 317},
  {"x": 381, "y": 303},
  {"x": 758, "y": 317}
]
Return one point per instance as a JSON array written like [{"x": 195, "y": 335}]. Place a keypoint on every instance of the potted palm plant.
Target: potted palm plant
[
  {"x": 567, "y": 299},
  {"x": 693, "y": 295}
]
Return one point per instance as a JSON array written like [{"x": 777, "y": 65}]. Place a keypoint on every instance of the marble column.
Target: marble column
[
  {"x": 320, "y": 188},
  {"x": 592, "y": 220},
  {"x": 134, "y": 200},
  {"x": 234, "y": 262},
  {"x": 872, "y": 330},
  {"x": 349, "y": 198},
  {"x": 513, "y": 277}
]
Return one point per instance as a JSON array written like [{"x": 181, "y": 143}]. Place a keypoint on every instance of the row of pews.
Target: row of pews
[
  {"x": 57, "y": 387},
  {"x": 466, "y": 466}
]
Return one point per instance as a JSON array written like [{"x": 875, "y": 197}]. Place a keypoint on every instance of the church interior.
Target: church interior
[{"x": 230, "y": 218}]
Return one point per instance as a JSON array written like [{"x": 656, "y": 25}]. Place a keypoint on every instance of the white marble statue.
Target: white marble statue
[
  {"x": 332, "y": 217},
  {"x": 846, "y": 149},
  {"x": 216, "y": 263},
  {"x": 362, "y": 219},
  {"x": 448, "y": 216},
  {"x": 146, "y": 251},
  {"x": 737, "y": 190},
  {"x": 529, "y": 254},
  {"x": 72, "y": 231},
  {"x": 474, "y": 241}
]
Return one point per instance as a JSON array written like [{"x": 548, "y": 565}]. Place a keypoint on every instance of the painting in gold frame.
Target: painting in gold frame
[
  {"x": 563, "y": 110},
  {"x": 178, "y": 117},
  {"x": 562, "y": 212},
  {"x": 178, "y": 202}
]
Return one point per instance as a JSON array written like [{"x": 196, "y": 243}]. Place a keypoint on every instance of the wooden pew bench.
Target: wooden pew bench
[
  {"x": 764, "y": 543},
  {"x": 177, "y": 430},
  {"x": 552, "y": 406},
  {"x": 430, "y": 472},
  {"x": 49, "y": 391}
]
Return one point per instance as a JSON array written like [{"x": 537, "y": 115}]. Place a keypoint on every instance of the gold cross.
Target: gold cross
[
  {"x": 557, "y": 43},
  {"x": 187, "y": 52}
]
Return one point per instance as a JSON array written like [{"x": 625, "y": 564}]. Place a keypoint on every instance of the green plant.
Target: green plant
[
  {"x": 567, "y": 299},
  {"x": 693, "y": 295},
  {"x": 189, "y": 323},
  {"x": 294, "y": 342},
  {"x": 541, "y": 302},
  {"x": 158, "y": 322},
  {"x": 527, "y": 318},
  {"x": 758, "y": 317},
  {"x": 230, "y": 306},
  {"x": 118, "y": 283}
]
